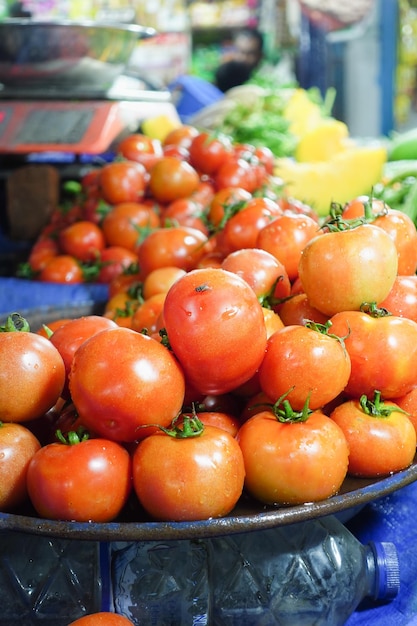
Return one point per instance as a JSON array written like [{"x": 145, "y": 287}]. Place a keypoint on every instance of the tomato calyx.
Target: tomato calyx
[
  {"x": 190, "y": 426},
  {"x": 373, "y": 310},
  {"x": 337, "y": 223},
  {"x": 377, "y": 407},
  {"x": 15, "y": 323},
  {"x": 284, "y": 412},
  {"x": 72, "y": 437},
  {"x": 323, "y": 329}
]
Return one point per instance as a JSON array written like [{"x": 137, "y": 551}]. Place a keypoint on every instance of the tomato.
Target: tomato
[
  {"x": 261, "y": 270},
  {"x": 216, "y": 329},
  {"x": 121, "y": 380},
  {"x": 68, "y": 338},
  {"x": 160, "y": 280},
  {"x": 122, "y": 181},
  {"x": 399, "y": 226},
  {"x": 408, "y": 403},
  {"x": 285, "y": 237},
  {"x": 402, "y": 299},
  {"x": 181, "y": 136},
  {"x": 382, "y": 350},
  {"x": 171, "y": 178},
  {"x": 237, "y": 173},
  {"x": 218, "y": 419},
  {"x": 128, "y": 223},
  {"x": 178, "y": 246},
  {"x": 128, "y": 282},
  {"x": 298, "y": 310},
  {"x": 209, "y": 151},
  {"x": 224, "y": 201},
  {"x": 147, "y": 314},
  {"x": 46, "y": 329},
  {"x": 32, "y": 376},
  {"x": 83, "y": 240},
  {"x": 273, "y": 322},
  {"x": 185, "y": 212},
  {"x": 242, "y": 228},
  {"x": 341, "y": 270},
  {"x": 292, "y": 463},
  {"x": 380, "y": 436},
  {"x": 62, "y": 268},
  {"x": 89, "y": 480},
  {"x": 306, "y": 364},
  {"x": 17, "y": 446},
  {"x": 43, "y": 250},
  {"x": 140, "y": 148},
  {"x": 102, "y": 618},
  {"x": 206, "y": 475},
  {"x": 115, "y": 260}
]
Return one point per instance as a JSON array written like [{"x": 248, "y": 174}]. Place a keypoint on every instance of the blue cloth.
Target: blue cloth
[
  {"x": 191, "y": 94},
  {"x": 392, "y": 518},
  {"x": 18, "y": 295}
]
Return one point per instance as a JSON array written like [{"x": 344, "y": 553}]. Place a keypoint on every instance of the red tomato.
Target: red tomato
[
  {"x": 17, "y": 446},
  {"x": 138, "y": 382},
  {"x": 122, "y": 181},
  {"x": 380, "y": 436},
  {"x": 128, "y": 224},
  {"x": 178, "y": 246},
  {"x": 273, "y": 322},
  {"x": 32, "y": 376},
  {"x": 115, "y": 260},
  {"x": 41, "y": 253},
  {"x": 382, "y": 350},
  {"x": 205, "y": 472},
  {"x": 102, "y": 619},
  {"x": 305, "y": 364},
  {"x": 298, "y": 310},
  {"x": 62, "y": 268},
  {"x": 68, "y": 338},
  {"x": 224, "y": 202},
  {"x": 402, "y": 299},
  {"x": 218, "y": 419},
  {"x": 293, "y": 462},
  {"x": 160, "y": 280},
  {"x": 147, "y": 314},
  {"x": 285, "y": 237},
  {"x": 85, "y": 481},
  {"x": 181, "y": 136},
  {"x": 185, "y": 212},
  {"x": 208, "y": 152},
  {"x": 237, "y": 173},
  {"x": 83, "y": 240},
  {"x": 216, "y": 329},
  {"x": 341, "y": 270},
  {"x": 171, "y": 178},
  {"x": 408, "y": 403},
  {"x": 140, "y": 148}
]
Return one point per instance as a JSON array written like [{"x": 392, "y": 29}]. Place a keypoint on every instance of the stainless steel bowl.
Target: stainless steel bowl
[{"x": 41, "y": 53}]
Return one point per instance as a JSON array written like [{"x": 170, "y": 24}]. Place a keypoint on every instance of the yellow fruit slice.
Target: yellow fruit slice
[
  {"x": 302, "y": 113},
  {"x": 158, "y": 127},
  {"x": 322, "y": 142},
  {"x": 350, "y": 173}
]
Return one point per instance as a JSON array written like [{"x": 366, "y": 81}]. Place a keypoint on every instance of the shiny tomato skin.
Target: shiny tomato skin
[
  {"x": 128, "y": 223},
  {"x": 83, "y": 240},
  {"x": 216, "y": 329},
  {"x": 17, "y": 446},
  {"x": 114, "y": 261},
  {"x": 32, "y": 376},
  {"x": 383, "y": 353},
  {"x": 181, "y": 136},
  {"x": 208, "y": 152},
  {"x": 171, "y": 179},
  {"x": 402, "y": 299},
  {"x": 102, "y": 618},
  {"x": 292, "y": 463},
  {"x": 339, "y": 271},
  {"x": 408, "y": 403},
  {"x": 121, "y": 380},
  {"x": 42, "y": 251},
  {"x": 178, "y": 246},
  {"x": 297, "y": 310},
  {"x": 62, "y": 268},
  {"x": 83, "y": 482},
  {"x": 378, "y": 445},
  {"x": 306, "y": 365},
  {"x": 140, "y": 148},
  {"x": 122, "y": 181},
  {"x": 237, "y": 173},
  {"x": 206, "y": 475}
]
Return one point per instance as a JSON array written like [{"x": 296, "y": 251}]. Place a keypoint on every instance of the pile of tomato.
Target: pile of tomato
[{"x": 247, "y": 349}]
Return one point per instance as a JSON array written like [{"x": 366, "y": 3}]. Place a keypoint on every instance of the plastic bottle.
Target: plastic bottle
[{"x": 309, "y": 573}]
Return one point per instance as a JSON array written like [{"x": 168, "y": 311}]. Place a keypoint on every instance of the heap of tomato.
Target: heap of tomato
[{"x": 245, "y": 347}]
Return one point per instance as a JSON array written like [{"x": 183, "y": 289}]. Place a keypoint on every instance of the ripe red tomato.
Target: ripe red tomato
[
  {"x": 114, "y": 261},
  {"x": 102, "y": 619},
  {"x": 185, "y": 212},
  {"x": 17, "y": 446},
  {"x": 209, "y": 151},
  {"x": 216, "y": 329},
  {"x": 181, "y": 136},
  {"x": 402, "y": 299},
  {"x": 62, "y": 268},
  {"x": 121, "y": 380},
  {"x": 140, "y": 148},
  {"x": 41, "y": 253},
  {"x": 224, "y": 201},
  {"x": 32, "y": 376},
  {"x": 83, "y": 240},
  {"x": 178, "y": 246},
  {"x": 86, "y": 481},
  {"x": 172, "y": 178},
  {"x": 366, "y": 338},
  {"x": 237, "y": 173},
  {"x": 298, "y": 310},
  {"x": 293, "y": 462},
  {"x": 128, "y": 223},
  {"x": 341, "y": 270},
  {"x": 305, "y": 364},
  {"x": 160, "y": 280},
  {"x": 408, "y": 403},
  {"x": 122, "y": 181},
  {"x": 380, "y": 436},
  {"x": 206, "y": 475}
]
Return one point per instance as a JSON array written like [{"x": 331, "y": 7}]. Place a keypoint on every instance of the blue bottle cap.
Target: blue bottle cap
[{"x": 387, "y": 570}]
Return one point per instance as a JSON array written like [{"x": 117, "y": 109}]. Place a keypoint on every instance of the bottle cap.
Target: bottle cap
[{"x": 387, "y": 570}]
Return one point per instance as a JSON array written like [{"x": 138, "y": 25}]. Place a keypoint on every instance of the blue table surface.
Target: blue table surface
[{"x": 392, "y": 518}]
